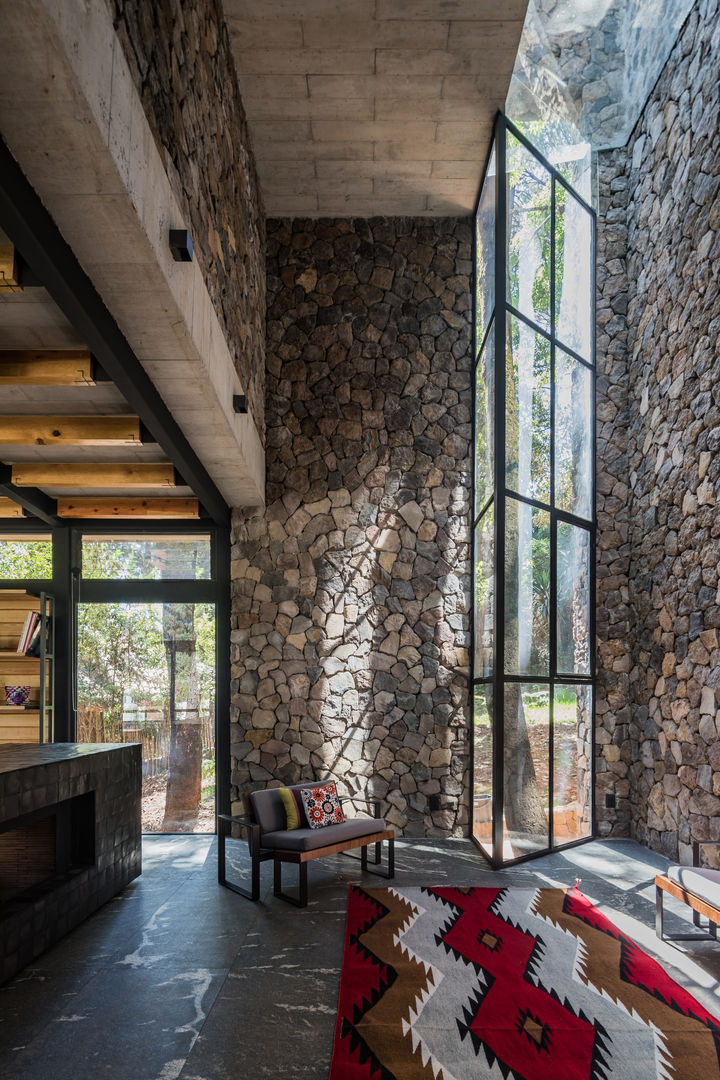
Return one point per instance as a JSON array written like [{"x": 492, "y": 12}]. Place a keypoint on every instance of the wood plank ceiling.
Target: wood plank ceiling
[
  {"x": 372, "y": 107},
  {"x": 69, "y": 441}
]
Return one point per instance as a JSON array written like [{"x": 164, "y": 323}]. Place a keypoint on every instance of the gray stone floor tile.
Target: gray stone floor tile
[{"x": 178, "y": 979}]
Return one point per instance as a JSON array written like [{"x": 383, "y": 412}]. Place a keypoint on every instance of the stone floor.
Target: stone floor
[{"x": 178, "y": 978}]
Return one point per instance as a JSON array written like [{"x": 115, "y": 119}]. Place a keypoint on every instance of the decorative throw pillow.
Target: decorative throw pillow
[
  {"x": 322, "y": 805},
  {"x": 294, "y": 810}
]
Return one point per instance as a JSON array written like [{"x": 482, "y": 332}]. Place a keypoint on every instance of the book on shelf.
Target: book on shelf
[
  {"x": 33, "y": 645},
  {"x": 32, "y": 621}
]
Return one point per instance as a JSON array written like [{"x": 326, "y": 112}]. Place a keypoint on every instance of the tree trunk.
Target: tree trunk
[
  {"x": 184, "y": 787},
  {"x": 525, "y": 809}
]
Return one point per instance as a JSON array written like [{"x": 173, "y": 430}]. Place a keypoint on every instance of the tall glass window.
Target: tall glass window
[{"x": 534, "y": 491}]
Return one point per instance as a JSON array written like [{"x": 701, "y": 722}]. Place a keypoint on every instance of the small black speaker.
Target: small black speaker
[{"x": 181, "y": 245}]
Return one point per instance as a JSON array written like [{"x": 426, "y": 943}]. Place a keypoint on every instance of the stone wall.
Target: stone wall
[
  {"x": 674, "y": 437},
  {"x": 613, "y": 614},
  {"x": 672, "y": 170},
  {"x": 179, "y": 56},
  {"x": 351, "y": 593}
]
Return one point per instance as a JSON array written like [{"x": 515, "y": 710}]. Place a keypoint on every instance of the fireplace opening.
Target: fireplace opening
[{"x": 38, "y": 848}]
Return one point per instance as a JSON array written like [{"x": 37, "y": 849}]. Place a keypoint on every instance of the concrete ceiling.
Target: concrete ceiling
[{"x": 372, "y": 107}]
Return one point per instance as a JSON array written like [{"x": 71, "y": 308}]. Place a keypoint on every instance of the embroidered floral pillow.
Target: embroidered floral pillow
[{"x": 322, "y": 805}]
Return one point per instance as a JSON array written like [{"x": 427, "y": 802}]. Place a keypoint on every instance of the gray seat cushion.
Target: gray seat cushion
[
  {"x": 699, "y": 880},
  {"x": 311, "y": 839},
  {"x": 269, "y": 809}
]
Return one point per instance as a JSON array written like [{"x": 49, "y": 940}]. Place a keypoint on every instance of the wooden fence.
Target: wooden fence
[{"x": 152, "y": 730}]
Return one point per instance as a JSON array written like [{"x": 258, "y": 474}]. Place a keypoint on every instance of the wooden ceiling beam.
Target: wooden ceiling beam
[
  {"x": 70, "y": 430},
  {"x": 101, "y": 475},
  {"x": 128, "y": 508},
  {"x": 9, "y": 273},
  {"x": 46, "y": 367},
  {"x": 29, "y": 225},
  {"x": 34, "y": 502},
  {"x": 10, "y": 509}
]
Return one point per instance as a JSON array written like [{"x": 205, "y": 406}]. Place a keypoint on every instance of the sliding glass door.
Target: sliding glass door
[{"x": 146, "y": 670}]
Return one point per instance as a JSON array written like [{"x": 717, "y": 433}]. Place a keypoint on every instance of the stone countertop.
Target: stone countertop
[{"x": 14, "y": 756}]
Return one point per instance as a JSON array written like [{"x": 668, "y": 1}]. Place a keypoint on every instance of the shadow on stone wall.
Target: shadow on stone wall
[{"x": 351, "y": 593}]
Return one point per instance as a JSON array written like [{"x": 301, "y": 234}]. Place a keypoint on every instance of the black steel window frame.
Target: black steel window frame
[
  {"x": 69, "y": 588},
  {"x": 498, "y": 679}
]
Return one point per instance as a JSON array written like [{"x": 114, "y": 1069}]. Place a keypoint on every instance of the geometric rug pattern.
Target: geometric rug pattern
[{"x": 508, "y": 984}]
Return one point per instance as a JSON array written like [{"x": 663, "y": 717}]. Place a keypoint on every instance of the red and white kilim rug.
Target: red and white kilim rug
[{"x": 528, "y": 984}]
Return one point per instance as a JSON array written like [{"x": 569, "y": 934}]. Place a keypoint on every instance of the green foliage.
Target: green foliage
[
  {"x": 25, "y": 559},
  {"x": 152, "y": 559},
  {"x": 122, "y": 656},
  {"x": 121, "y": 647},
  {"x": 485, "y": 251},
  {"x": 484, "y": 382},
  {"x": 529, "y": 234}
]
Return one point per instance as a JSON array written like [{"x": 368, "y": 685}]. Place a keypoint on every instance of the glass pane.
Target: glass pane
[
  {"x": 573, "y": 436},
  {"x": 573, "y": 273},
  {"x": 155, "y": 558},
  {"x": 485, "y": 254},
  {"x": 527, "y": 412},
  {"x": 526, "y": 768},
  {"x": 573, "y": 604},
  {"x": 574, "y": 163},
  {"x": 484, "y": 422},
  {"x": 572, "y": 755},
  {"x": 146, "y": 673},
  {"x": 527, "y": 589},
  {"x": 23, "y": 557},
  {"x": 529, "y": 200},
  {"x": 484, "y": 594},
  {"x": 482, "y": 780}
]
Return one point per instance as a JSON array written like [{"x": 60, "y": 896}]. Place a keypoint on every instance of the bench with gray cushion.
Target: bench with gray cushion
[
  {"x": 699, "y": 888},
  {"x": 268, "y": 839}
]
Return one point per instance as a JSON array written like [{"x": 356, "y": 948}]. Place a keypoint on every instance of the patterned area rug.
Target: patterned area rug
[{"x": 528, "y": 984}]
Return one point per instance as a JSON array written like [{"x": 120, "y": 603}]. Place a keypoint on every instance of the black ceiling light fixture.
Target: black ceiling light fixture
[{"x": 181, "y": 245}]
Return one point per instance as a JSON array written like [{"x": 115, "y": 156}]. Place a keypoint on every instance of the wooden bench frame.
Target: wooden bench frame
[
  {"x": 258, "y": 854},
  {"x": 700, "y": 908}
]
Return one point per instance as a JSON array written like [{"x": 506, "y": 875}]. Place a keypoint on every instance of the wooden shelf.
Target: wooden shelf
[{"x": 20, "y": 723}]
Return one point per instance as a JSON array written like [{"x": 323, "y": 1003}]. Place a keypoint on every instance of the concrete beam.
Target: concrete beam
[{"x": 71, "y": 116}]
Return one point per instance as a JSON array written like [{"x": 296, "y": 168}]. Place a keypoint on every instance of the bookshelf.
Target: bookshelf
[{"x": 33, "y": 722}]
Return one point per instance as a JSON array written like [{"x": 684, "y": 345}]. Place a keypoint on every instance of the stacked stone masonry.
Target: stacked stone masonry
[
  {"x": 672, "y": 426},
  {"x": 351, "y": 592},
  {"x": 613, "y": 614},
  {"x": 180, "y": 58}
]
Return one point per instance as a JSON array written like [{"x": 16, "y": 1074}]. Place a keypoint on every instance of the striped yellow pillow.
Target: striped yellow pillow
[{"x": 292, "y": 808}]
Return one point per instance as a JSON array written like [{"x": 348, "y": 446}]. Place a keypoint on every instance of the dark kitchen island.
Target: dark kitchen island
[{"x": 70, "y": 838}]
